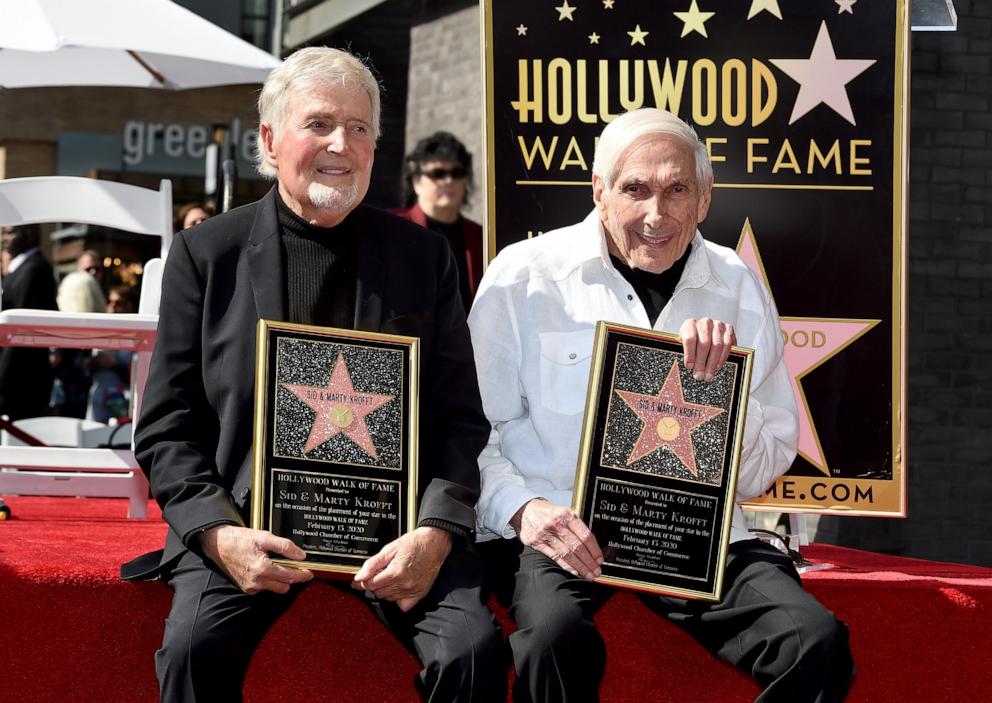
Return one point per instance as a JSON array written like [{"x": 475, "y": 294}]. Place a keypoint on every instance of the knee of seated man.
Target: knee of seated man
[
  {"x": 477, "y": 642},
  {"x": 816, "y": 632},
  {"x": 558, "y": 624}
]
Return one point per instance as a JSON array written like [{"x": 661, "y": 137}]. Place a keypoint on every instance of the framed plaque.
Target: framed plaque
[
  {"x": 658, "y": 462},
  {"x": 335, "y": 443}
]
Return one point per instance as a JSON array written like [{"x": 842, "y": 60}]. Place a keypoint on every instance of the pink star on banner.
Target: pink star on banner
[
  {"x": 810, "y": 342},
  {"x": 340, "y": 409},
  {"x": 822, "y": 78},
  {"x": 668, "y": 420}
]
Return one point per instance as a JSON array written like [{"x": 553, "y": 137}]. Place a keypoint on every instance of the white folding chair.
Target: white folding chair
[
  {"x": 85, "y": 469},
  {"x": 43, "y": 199}
]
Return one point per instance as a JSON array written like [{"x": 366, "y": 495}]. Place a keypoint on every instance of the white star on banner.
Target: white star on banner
[
  {"x": 845, "y": 6},
  {"x": 521, "y": 30},
  {"x": 822, "y": 78},
  {"x": 565, "y": 11},
  {"x": 594, "y": 38},
  {"x": 608, "y": 4},
  {"x": 637, "y": 36},
  {"x": 693, "y": 20},
  {"x": 764, "y": 5}
]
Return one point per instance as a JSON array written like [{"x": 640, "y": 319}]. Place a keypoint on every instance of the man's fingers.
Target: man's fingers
[
  {"x": 372, "y": 566},
  {"x": 556, "y": 550},
  {"x": 289, "y": 574},
  {"x": 582, "y": 544},
  {"x": 570, "y": 554},
  {"x": 714, "y": 359},
  {"x": 407, "y": 604},
  {"x": 588, "y": 539},
  {"x": 583, "y": 561},
  {"x": 688, "y": 334},
  {"x": 387, "y": 578},
  {"x": 268, "y": 542},
  {"x": 729, "y": 340},
  {"x": 706, "y": 346}
]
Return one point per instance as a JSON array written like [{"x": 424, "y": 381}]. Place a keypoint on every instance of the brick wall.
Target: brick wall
[
  {"x": 950, "y": 304},
  {"x": 445, "y": 88}
]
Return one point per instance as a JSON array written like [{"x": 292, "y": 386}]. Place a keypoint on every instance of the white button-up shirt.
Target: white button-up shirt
[{"x": 533, "y": 324}]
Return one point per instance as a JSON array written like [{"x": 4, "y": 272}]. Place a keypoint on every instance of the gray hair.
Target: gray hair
[
  {"x": 307, "y": 69},
  {"x": 621, "y": 133}
]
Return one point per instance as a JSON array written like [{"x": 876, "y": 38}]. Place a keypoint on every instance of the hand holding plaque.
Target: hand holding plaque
[{"x": 658, "y": 459}]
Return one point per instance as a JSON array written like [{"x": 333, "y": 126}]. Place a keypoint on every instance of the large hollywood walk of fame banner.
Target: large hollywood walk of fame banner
[{"x": 803, "y": 106}]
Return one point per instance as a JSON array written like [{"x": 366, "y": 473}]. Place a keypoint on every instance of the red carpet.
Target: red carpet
[{"x": 921, "y": 631}]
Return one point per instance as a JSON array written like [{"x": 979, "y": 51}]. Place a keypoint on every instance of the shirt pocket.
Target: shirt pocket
[{"x": 564, "y": 370}]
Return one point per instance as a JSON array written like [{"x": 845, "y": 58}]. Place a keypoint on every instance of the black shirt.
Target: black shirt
[
  {"x": 654, "y": 289},
  {"x": 320, "y": 269}
]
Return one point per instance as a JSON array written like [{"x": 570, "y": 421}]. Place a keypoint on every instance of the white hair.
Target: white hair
[
  {"x": 79, "y": 292},
  {"x": 304, "y": 70},
  {"x": 620, "y": 134}
]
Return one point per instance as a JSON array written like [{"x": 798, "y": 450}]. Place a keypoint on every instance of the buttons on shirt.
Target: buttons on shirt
[
  {"x": 572, "y": 355},
  {"x": 629, "y": 296}
]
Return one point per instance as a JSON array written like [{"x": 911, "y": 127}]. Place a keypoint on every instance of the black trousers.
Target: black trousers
[
  {"x": 213, "y": 628},
  {"x": 766, "y": 624}
]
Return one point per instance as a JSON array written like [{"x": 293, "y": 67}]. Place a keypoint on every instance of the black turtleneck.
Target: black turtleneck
[
  {"x": 320, "y": 269},
  {"x": 654, "y": 289}
]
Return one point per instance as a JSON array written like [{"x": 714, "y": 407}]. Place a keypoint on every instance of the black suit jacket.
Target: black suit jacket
[
  {"x": 25, "y": 374},
  {"x": 194, "y": 436}
]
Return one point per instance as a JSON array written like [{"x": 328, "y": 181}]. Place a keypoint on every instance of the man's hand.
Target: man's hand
[
  {"x": 706, "y": 344},
  {"x": 243, "y": 554},
  {"x": 557, "y": 532},
  {"x": 404, "y": 570}
]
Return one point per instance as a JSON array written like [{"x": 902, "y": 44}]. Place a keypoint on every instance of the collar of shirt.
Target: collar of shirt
[
  {"x": 16, "y": 262},
  {"x": 590, "y": 245}
]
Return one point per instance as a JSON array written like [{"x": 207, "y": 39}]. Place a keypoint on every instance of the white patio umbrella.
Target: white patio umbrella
[{"x": 126, "y": 43}]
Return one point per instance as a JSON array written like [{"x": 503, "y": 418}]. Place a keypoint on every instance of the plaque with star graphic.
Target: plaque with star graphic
[
  {"x": 803, "y": 109},
  {"x": 658, "y": 462},
  {"x": 335, "y": 450}
]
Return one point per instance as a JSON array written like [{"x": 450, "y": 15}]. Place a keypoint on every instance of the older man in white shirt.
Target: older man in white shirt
[{"x": 637, "y": 259}]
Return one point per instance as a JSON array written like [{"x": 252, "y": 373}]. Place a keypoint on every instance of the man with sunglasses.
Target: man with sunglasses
[{"x": 437, "y": 180}]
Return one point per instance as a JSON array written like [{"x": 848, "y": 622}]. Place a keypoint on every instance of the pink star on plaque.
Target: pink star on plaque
[
  {"x": 340, "y": 409},
  {"x": 668, "y": 420}
]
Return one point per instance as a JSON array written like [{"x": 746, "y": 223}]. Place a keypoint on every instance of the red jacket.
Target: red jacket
[{"x": 471, "y": 232}]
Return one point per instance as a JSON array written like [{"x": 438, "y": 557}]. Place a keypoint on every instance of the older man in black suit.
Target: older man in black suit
[
  {"x": 28, "y": 282},
  {"x": 309, "y": 252}
]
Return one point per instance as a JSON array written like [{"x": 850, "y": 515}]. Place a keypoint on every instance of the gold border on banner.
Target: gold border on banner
[
  {"x": 411, "y": 424},
  {"x": 728, "y": 495}
]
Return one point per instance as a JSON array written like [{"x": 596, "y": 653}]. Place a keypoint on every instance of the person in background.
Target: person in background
[
  {"x": 190, "y": 214},
  {"x": 109, "y": 393},
  {"x": 28, "y": 282},
  {"x": 90, "y": 262},
  {"x": 437, "y": 180},
  {"x": 79, "y": 292},
  {"x": 122, "y": 299}
]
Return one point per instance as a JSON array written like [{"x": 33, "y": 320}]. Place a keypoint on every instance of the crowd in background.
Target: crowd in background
[{"x": 95, "y": 384}]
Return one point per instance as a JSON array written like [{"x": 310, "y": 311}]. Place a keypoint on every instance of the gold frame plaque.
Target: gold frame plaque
[
  {"x": 658, "y": 461},
  {"x": 335, "y": 441}
]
